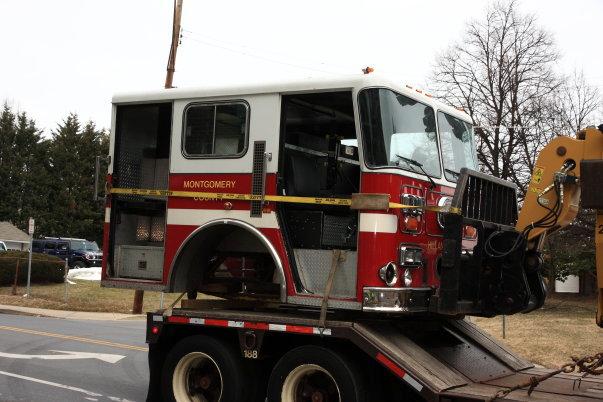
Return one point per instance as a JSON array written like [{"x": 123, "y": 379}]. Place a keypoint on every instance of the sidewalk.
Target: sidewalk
[{"x": 73, "y": 315}]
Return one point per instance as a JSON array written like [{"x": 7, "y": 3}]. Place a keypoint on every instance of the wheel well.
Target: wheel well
[{"x": 232, "y": 235}]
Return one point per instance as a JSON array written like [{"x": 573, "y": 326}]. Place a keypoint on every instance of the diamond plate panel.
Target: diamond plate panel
[
  {"x": 314, "y": 266},
  {"x": 317, "y": 302}
]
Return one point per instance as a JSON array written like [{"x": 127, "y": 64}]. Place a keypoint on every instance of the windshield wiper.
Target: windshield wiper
[
  {"x": 412, "y": 162},
  {"x": 452, "y": 172}
]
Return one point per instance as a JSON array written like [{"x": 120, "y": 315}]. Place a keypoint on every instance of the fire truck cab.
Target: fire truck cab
[{"x": 316, "y": 139}]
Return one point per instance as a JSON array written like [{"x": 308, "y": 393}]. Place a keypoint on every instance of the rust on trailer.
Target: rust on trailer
[
  {"x": 553, "y": 381},
  {"x": 562, "y": 387}
]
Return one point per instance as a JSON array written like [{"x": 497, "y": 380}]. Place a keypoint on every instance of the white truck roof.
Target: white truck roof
[{"x": 344, "y": 82}]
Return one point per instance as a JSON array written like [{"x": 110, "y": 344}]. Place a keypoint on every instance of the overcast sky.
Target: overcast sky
[{"x": 65, "y": 56}]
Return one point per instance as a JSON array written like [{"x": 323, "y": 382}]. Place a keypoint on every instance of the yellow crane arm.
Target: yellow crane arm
[
  {"x": 568, "y": 171},
  {"x": 599, "y": 258}
]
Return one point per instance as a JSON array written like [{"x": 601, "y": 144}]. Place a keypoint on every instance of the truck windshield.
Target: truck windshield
[
  {"x": 393, "y": 125},
  {"x": 458, "y": 146},
  {"x": 84, "y": 245},
  {"x": 91, "y": 246}
]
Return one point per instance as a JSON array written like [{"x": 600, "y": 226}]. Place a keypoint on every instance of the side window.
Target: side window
[
  {"x": 63, "y": 246},
  {"x": 50, "y": 245},
  {"x": 458, "y": 146},
  {"x": 215, "y": 130}
]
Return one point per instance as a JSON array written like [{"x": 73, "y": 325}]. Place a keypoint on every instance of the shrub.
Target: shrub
[{"x": 44, "y": 268}]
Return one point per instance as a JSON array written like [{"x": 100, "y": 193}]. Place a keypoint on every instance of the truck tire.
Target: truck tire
[
  {"x": 315, "y": 373},
  {"x": 201, "y": 368}
]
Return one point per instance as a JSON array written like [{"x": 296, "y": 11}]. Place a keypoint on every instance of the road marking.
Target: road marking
[
  {"x": 52, "y": 384},
  {"x": 67, "y": 356},
  {"x": 75, "y": 338}
]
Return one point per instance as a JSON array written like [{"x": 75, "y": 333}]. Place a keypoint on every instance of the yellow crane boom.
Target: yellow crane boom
[{"x": 568, "y": 172}]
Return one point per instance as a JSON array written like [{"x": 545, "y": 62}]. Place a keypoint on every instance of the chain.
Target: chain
[{"x": 592, "y": 365}]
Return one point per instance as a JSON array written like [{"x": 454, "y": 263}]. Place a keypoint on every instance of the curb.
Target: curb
[{"x": 72, "y": 315}]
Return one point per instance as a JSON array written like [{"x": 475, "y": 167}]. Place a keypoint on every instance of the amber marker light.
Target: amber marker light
[
  {"x": 411, "y": 223},
  {"x": 469, "y": 232}
]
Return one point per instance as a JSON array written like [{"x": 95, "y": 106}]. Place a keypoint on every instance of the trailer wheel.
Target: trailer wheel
[
  {"x": 203, "y": 369},
  {"x": 315, "y": 374}
]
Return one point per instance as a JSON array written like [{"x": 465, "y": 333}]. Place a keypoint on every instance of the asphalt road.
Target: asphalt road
[{"x": 106, "y": 360}]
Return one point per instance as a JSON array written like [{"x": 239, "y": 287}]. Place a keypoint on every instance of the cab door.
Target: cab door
[
  {"x": 137, "y": 221},
  {"x": 319, "y": 158}
]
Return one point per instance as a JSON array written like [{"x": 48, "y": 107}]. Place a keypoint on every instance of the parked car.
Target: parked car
[
  {"x": 2, "y": 246},
  {"x": 80, "y": 253}
]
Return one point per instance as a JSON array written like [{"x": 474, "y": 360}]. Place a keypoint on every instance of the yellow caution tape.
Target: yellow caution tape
[
  {"x": 346, "y": 202},
  {"x": 447, "y": 209}
]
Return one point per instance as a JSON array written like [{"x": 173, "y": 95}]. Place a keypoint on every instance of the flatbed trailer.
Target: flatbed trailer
[{"x": 396, "y": 359}]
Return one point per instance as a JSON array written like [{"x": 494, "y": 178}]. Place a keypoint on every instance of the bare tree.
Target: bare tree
[
  {"x": 578, "y": 104},
  {"x": 501, "y": 73}
]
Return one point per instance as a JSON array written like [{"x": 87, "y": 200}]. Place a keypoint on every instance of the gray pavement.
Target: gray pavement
[{"x": 57, "y": 359}]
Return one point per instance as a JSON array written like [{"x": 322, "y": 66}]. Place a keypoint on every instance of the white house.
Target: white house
[{"x": 13, "y": 237}]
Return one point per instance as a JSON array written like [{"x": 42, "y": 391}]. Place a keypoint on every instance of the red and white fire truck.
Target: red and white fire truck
[
  {"x": 306, "y": 146},
  {"x": 344, "y": 228}
]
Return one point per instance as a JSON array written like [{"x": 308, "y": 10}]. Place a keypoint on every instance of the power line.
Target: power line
[
  {"x": 250, "y": 50},
  {"x": 255, "y": 52},
  {"x": 259, "y": 56}
]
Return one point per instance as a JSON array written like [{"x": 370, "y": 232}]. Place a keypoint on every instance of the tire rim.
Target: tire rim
[
  {"x": 197, "y": 378},
  {"x": 310, "y": 383}
]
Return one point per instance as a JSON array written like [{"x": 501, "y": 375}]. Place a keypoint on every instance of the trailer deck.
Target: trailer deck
[{"x": 441, "y": 360}]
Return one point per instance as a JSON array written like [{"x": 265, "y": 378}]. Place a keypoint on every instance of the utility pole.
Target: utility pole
[
  {"x": 171, "y": 66},
  {"x": 169, "y": 78}
]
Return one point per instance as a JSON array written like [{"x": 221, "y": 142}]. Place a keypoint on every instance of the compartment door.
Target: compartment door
[{"x": 141, "y": 161}]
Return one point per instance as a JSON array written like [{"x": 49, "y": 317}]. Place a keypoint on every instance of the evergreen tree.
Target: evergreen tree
[
  {"x": 23, "y": 167},
  {"x": 7, "y": 145},
  {"x": 51, "y": 180},
  {"x": 72, "y": 159},
  {"x": 32, "y": 179}
]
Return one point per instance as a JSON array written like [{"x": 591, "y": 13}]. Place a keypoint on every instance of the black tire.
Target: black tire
[
  {"x": 79, "y": 264},
  {"x": 229, "y": 384},
  {"x": 319, "y": 364}
]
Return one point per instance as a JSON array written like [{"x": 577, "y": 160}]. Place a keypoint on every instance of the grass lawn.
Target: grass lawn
[
  {"x": 564, "y": 327},
  {"x": 82, "y": 296}
]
